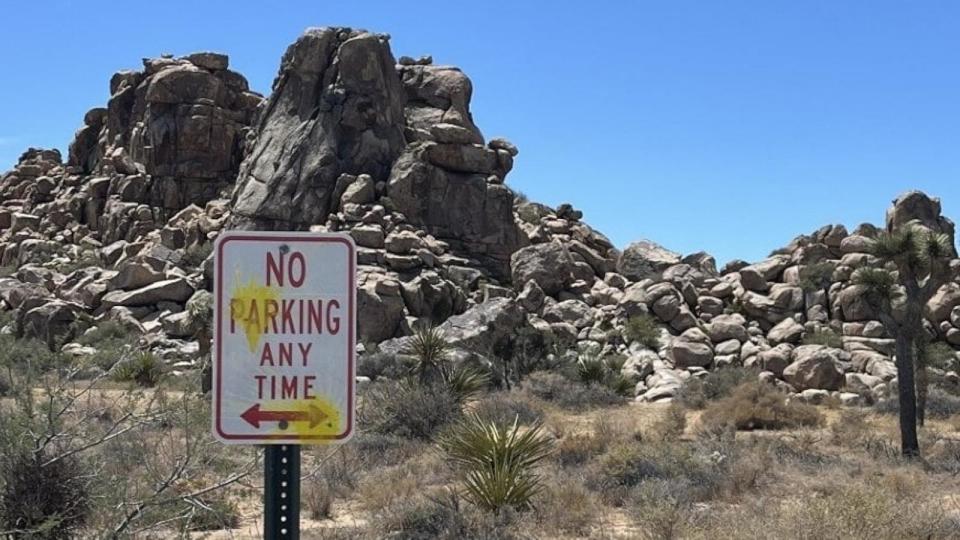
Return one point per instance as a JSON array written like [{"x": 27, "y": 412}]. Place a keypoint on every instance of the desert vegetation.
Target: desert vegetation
[{"x": 559, "y": 455}]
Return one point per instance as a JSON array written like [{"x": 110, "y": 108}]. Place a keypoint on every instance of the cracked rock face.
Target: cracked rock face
[
  {"x": 180, "y": 124},
  {"x": 341, "y": 108},
  {"x": 336, "y": 108}
]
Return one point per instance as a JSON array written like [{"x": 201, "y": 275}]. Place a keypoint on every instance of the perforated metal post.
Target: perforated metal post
[{"x": 281, "y": 494}]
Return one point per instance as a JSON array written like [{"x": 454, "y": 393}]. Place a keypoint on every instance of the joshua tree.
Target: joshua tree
[{"x": 915, "y": 264}]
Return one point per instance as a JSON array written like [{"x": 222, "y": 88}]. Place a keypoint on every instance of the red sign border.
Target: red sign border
[{"x": 351, "y": 332}]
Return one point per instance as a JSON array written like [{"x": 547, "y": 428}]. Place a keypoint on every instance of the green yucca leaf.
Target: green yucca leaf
[
  {"x": 430, "y": 350},
  {"x": 466, "y": 382},
  {"x": 591, "y": 369}
]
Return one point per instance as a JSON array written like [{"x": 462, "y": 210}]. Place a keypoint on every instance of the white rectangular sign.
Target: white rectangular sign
[{"x": 285, "y": 326}]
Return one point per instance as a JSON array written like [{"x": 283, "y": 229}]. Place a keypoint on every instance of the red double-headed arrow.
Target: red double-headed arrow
[{"x": 254, "y": 415}]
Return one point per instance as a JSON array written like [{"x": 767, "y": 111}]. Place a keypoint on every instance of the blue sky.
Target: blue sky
[{"x": 726, "y": 126}]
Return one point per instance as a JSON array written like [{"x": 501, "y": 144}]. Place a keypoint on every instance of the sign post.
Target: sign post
[{"x": 284, "y": 370}]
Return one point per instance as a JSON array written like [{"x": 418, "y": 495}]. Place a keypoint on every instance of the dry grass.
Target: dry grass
[
  {"x": 628, "y": 470},
  {"x": 757, "y": 405}
]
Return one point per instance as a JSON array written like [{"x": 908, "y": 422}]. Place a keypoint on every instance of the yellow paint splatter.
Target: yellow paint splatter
[
  {"x": 329, "y": 419},
  {"x": 248, "y": 308}
]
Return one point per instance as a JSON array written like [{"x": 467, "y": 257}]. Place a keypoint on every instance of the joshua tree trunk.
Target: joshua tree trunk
[
  {"x": 922, "y": 382},
  {"x": 909, "y": 445}
]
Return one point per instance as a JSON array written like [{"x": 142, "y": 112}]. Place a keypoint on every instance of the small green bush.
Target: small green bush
[
  {"x": 213, "y": 515},
  {"x": 503, "y": 407},
  {"x": 444, "y": 517},
  {"x": 557, "y": 389},
  {"x": 407, "y": 408},
  {"x": 627, "y": 466},
  {"x": 643, "y": 329},
  {"x": 816, "y": 277},
  {"x": 378, "y": 364},
  {"x": 825, "y": 337},
  {"x": 111, "y": 339},
  {"x": 143, "y": 368},
  {"x": 757, "y": 405},
  {"x": 697, "y": 392},
  {"x": 196, "y": 254},
  {"x": 942, "y": 356},
  {"x": 605, "y": 371},
  {"x": 28, "y": 354},
  {"x": 940, "y": 405},
  {"x": 43, "y": 500}
]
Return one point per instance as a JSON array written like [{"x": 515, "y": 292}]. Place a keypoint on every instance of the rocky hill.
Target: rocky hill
[{"x": 351, "y": 139}]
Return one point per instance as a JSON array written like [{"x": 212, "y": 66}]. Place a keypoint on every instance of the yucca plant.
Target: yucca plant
[
  {"x": 430, "y": 351},
  {"x": 591, "y": 369},
  {"x": 465, "y": 382},
  {"x": 144, "y": 368},
  {"x": 498, "y": 461}
]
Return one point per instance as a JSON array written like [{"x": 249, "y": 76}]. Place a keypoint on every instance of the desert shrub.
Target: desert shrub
[
  {"x": 337, "y": 477},
  {"x": 850, "y": 427},
  {"x": 143, "y": 368},
  {"x": 671, "y": 425},
  {"x": 557, "y": 389},
  {"x": 86, "y": 259},
  {"x": 940, "y": 404},
  {"x": 945, "y": 456},
  {"x": 407, "y": 408},
  {"x": 816, "y": 277},
  {"x": 214, "y": 514},
  {"x": 579, "y": 448},
  {"x": 443, "y": 517},
  {"x": 529, "y": 353},
  {"x": 379, "y": 364},
  {"x": 105, "y": 332},
  {"x": 43, "y": 499},
  {"x": 627, "y": 466},
  {"x": 498, "y": 461},
  {"x": 566, "y": 507},
  {"x": 111, "y": 340},
  {"x": 941, "y": 356},
  {"x": 824, "y": 336},
  {"x": 503, "y": 407},
  {"x": 604, "y": 371},
  {"x": 865, "y": 511},
  {"x": 196, "y": 254},
  {"x": 28, "y": 355},
  {"x": 372, "y": 450},
  {"x": 6, "y": 386},
  {"x": 757, "y": 405},
  {"x": 661, "y": 508},
  {"x": 643, "y": 329},
  {"x": 697, "y": 392}
]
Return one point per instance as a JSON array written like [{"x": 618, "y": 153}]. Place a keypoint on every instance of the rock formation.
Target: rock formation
[{"x": 387, "y": 151}]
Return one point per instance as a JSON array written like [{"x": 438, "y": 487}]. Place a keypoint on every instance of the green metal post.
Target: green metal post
[{"x": 281, "y": 493}]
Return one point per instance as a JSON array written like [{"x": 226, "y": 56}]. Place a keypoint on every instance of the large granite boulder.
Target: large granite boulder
[
  {"x": 548, "y": 264},
  {"x": 815, "y": 366},
  {"x": 645, "y": 259}
]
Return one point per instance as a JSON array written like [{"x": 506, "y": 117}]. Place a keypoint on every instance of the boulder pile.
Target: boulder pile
[{"x": 353, "y": 140}]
